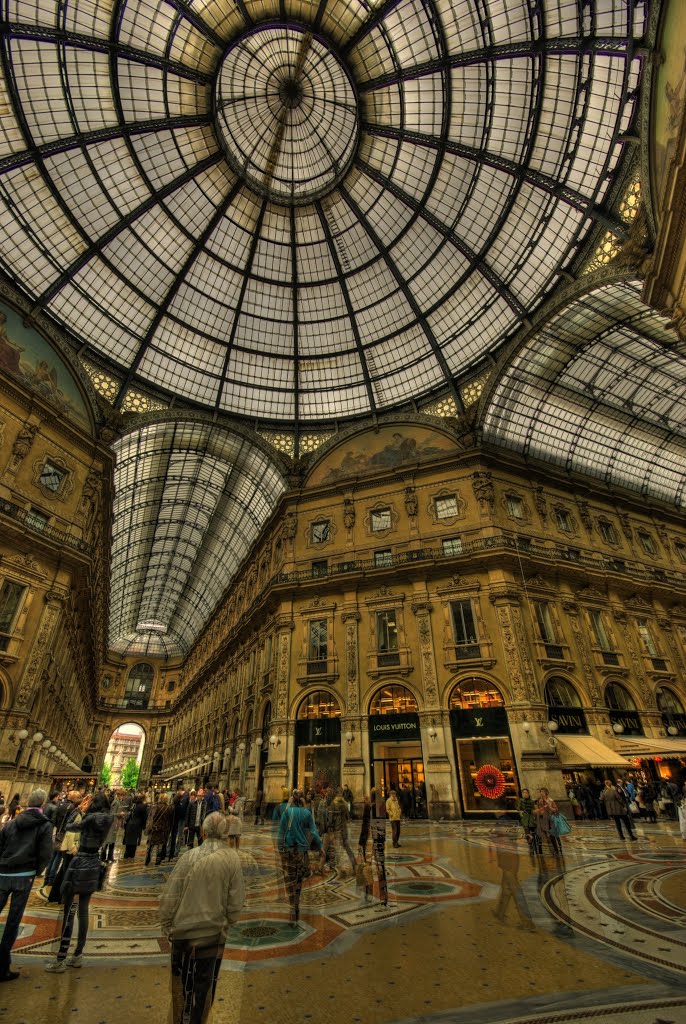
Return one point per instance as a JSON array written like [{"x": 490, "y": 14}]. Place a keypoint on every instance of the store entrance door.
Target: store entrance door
[{"x": 402, "y": 773}]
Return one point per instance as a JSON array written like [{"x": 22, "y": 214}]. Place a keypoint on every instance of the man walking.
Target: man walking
[
  {"x": 25, "y": 849},
  {"x": 202, "y": 898},
  {"x": 195, "y": 815}
]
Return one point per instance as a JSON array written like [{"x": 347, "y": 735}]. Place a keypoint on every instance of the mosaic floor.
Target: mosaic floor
[{"x": 597, "y": 936}]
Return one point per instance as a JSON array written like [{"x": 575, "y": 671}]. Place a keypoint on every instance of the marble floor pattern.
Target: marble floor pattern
[{"x": 600, "y": 938}]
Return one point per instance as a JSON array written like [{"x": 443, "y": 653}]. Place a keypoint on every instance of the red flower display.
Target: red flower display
[{"x": 490, "y": 781}]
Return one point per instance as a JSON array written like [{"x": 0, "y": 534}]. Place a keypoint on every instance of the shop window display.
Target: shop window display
[
  {"x": 485, "y": 762},
  {"x": 318, "y": 742}
]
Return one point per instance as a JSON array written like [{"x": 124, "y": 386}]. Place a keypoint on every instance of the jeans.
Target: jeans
[
  {"x": 70, "y": 906},
  {"x": 17, "y": 891},
  {"x": 175, "y": 839},
  {"x": 194, "y": 980},
  {"x": 52, "y": 867}
]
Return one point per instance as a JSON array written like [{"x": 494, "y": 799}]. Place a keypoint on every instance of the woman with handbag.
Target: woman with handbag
[
  {"x": 545, "y": 810},
  {"x": 235, "y": 818},
  {"x": 83, "y": 877},
  {"x": 69, "y": 844},
  {"x": 297, "y": 832}
]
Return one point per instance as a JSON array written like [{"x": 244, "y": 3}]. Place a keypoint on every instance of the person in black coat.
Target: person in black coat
[
  {"x": 135, "y": 824},
  {"x": 84, "y": 876},
  {"x": 25, "y": 849}
]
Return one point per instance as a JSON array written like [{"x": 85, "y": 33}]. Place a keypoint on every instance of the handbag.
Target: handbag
[
  {"x": 633, "y": 807},
  {"x": 559, "y": 826}
]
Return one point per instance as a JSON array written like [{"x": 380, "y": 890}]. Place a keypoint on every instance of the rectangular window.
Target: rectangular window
[
  {"x": 563, "y": 520},
  {"x": 601, "y": 637},
  {"x": 387, "y": 639},
  {"x": 544, "y": 619},
  {"x": 646, "y": 542},
  {"x": 380, "y": 519},
  {"x": 11, "y": 596},
  {"x": 647, "y": 639},
  {"x": 452, "y": 546},
  {"x": 51, "y": 476},
  {"x": 382, "y": 558},
  {"x": 318, "y": 643},
  {"x": 320, "y": 531},
  {"x": 160, "y": 736},
  {"x": 446, "y": 507},
  {"x": 515, "y": 508},
  {"x": 607, "y": 532},
  {"x": 320, "y": 568},
  {"x": 464, "y": 627}
]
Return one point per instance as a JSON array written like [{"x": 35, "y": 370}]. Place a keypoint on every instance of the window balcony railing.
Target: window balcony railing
[
  {"x": 29, "y": 521},
  {"x": 467, "y": 652}
]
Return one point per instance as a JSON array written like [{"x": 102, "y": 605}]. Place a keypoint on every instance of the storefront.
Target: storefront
[
  {"x": 395, "y": 743},
  {"x": 624, "y": 717},
  {"x": 486, "y": 769},
  {"x": 318, "y": 742}
]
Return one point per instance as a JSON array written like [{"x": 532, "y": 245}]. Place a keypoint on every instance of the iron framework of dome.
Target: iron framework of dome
[{"x": 296, "y": 211}]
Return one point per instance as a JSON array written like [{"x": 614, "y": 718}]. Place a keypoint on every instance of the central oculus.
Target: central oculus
[{"x": 286, "y": 113}]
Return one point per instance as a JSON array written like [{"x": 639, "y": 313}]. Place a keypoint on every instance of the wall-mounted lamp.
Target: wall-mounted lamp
[
  {"x": 52, "y": 748},
  {"x": 526, "y": 727},
  {"x": 617, "y": 728},
  {"x": 46, "y": 744},
  {"x": 23, "y": 734},
  {"x": 552, "y": 726},
  {"x": 350, "y": 736},
  {"x": 37, "y": 737},
  {"x": 274, "y": 740},
  {"x": 215, "y": 754},
  {"x": 432, "y": 732},
  {"x": 672, "y": 730},
  {"x": 241, "y": 746}
]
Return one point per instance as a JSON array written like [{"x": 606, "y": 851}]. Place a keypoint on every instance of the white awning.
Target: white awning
[
  {"x": 646, "y": 746},
  {"x": 588, "y": 752}
]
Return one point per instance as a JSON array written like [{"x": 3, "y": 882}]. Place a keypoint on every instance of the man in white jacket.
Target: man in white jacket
[{"x": 202, "y": 898}]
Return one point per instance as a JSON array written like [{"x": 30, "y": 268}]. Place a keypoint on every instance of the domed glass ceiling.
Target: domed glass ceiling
[{"x": 298, "y": 211}]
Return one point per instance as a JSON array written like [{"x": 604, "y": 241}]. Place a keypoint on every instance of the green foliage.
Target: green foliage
[
  {"x": 106, "y": 774},
  {"x": 130, "y": 773}
]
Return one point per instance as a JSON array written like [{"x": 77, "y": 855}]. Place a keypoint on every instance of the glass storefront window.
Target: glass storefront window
[
  {"x": 618, "y": 698},
  {"x": 392, "y": 700},
  {"x": 475, "y": 693},
  {"x": 559, "y": 693},
  {"x": 319, "y": 704},
  {"x": 487, "y": 774}
]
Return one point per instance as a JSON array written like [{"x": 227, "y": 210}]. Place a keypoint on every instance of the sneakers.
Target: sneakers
[
  {"x": 74, "y": 960},
  {"x": 56, "y": 967}
]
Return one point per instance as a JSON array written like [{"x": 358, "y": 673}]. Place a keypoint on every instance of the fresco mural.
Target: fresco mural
[
  {"x": 670, "y": 95},
  {"x": 389, "y": 448},
  {"x": 29, "y": 359}
]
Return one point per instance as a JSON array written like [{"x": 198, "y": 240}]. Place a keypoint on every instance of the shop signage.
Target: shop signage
[
  {"x": 479, "y": 722},
  {"x": 629, "y": 720},
  {"x": 312, "y": 732},
  {"x": 394, "y": 727},
  {"x": 676, "y": 721},
  {"x": 569, "y": 720}
]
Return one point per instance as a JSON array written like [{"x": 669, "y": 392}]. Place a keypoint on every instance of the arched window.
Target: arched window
[
  {"x": 475, "y": 693},
  {"x": 139, "y": 685},
  {"x": 618, "y": 698},
  {"x": 319, "y": 704},
  {"x": 392, "y": 700},
  {"x": 157, "y": 764},
  {"x": 87, "y": 764},
  {"x": 668, "y": 702},
  {"x": 559, "y": 693}
]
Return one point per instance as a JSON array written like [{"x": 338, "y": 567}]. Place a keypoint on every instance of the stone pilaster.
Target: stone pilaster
[{"x": 427, "y": 657}]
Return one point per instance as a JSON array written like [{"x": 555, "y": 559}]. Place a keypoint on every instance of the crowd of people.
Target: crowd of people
[
  {"x": 74, "y": 836},
  {"x": 645, "y": 799}
]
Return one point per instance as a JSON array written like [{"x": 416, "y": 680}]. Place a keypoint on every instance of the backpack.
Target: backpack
[{"x": 212, "y": 802}]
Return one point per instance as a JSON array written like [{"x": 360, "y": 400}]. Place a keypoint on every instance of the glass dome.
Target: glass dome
[{"x": 305, "y": 211}]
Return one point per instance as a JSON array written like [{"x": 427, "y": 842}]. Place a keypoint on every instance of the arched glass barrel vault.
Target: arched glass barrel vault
[
  {"x": 397, "y": 189},
  {"x": 190, "y": 498},
  {"x": 599, "y": 390}
]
